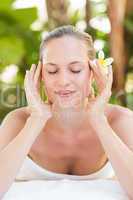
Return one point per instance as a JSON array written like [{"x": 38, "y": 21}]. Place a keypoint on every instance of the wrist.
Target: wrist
[
  {"x": 41, "y": 119},
  {"x": 98, "y": 120}
]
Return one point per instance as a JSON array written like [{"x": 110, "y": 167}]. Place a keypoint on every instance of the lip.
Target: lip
[{"x": 65, "y": 93}]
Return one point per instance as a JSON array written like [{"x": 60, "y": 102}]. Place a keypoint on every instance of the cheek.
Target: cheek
[
  {"x": 49, "y": 89},
  {"x": 46, "y": 80},
  {"x": 84, "y": 83}
]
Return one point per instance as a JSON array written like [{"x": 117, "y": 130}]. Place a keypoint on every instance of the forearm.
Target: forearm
[
  {"x": 120, "y": 156},
  {"x": 12, "y": 156}
]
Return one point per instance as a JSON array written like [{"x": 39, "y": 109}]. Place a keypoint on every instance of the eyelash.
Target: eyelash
[{"x": 72, "y": 71}]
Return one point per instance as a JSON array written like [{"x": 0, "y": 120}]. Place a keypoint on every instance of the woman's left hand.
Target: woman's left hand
[{"x": 96, "y": 105}]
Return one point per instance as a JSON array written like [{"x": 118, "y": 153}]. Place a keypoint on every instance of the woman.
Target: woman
[{"x": 67, "y": 136}]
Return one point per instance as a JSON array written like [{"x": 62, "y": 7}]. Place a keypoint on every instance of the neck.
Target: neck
[{"x": 70, "y": 121}]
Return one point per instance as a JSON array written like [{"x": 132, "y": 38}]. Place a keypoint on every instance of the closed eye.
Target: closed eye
[
  {"x": 76, "y": 71},
  {"x": 71, "y": 71},
  {"x": 52, "y": 72}
]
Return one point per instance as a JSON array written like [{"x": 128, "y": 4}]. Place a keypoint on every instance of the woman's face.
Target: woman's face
[{"x": 65, "y": 68}]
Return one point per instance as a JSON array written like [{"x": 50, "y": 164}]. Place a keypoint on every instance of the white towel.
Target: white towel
[{"x": 66, "y": 189}]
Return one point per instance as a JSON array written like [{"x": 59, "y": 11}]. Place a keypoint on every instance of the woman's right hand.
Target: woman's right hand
[{"x": 36, "y": 106}]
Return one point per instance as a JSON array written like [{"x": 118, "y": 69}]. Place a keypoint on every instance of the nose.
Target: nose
[{"x": 64, "y": 79}]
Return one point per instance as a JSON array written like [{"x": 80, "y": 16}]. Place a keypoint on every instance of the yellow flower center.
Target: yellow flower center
[{"x": 101, "y": 61}]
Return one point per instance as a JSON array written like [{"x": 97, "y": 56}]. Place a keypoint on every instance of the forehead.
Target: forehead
[{"x": 66, "y": 48}]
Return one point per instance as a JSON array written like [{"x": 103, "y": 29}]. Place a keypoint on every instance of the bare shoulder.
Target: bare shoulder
[
  {"x": 19, "y": 114},
  {"x": 121, "y": 121},
  {"x": 12, "y": 124},
  {"x": 117, "y": 112}
]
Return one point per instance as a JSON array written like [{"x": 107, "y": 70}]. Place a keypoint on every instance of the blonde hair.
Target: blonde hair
[{"x": 70, "y": 31}]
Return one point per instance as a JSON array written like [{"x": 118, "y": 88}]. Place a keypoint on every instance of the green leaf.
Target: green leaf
[
  {"x": 25, "y": 16},
  {"x": 11, "y": 50},
  {"x": 5, "y": 4}
]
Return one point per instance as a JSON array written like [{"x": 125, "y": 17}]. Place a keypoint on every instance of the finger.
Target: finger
[
  {"x": 92, "y": 94},
  {"x": 26, "y": 80},
  {"x": 104, "y": 97},
  {"x": 98, "y": 76},
  {"x": 106, "y": 93},
  {"x": 32, "y": 95},
  {"x": 96, "y": 67},
  {"x": 26, "y": 86},
  {"x": 110, "y": 76},
  {"x": 29, "y": 85},
  {"x": 37, "y": 73}
]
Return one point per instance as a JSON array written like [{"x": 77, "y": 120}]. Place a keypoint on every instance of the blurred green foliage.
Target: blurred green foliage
[{"x": 19, "y": 45}]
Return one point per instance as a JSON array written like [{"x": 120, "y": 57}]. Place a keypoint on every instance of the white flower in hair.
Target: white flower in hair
[{"x": 104, "y": 63}]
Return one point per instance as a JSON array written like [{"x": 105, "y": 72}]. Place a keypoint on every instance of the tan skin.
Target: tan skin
[{"x": 69, "y": 149}]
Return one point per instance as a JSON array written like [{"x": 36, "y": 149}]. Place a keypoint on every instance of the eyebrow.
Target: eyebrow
[{"x": 71, "y": 63}]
